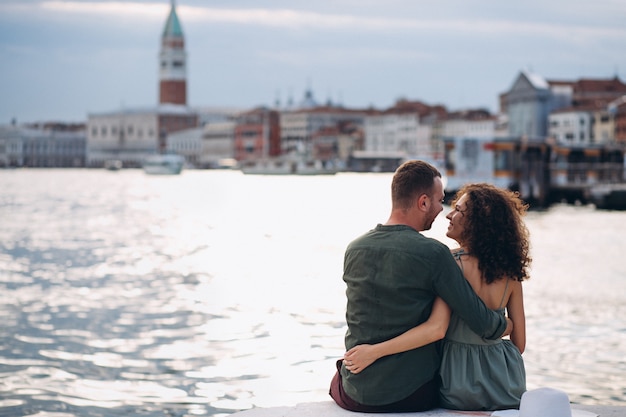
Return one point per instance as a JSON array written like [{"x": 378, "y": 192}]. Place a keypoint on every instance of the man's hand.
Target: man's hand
[
  {"x": 509, "y": 327},
  {"x": 359, "y": 358}
]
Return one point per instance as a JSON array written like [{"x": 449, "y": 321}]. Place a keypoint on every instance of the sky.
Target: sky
[{"x": 64, "y": 60}]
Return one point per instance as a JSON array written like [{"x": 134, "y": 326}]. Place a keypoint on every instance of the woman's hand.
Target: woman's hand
[{"x": 359, "y": 358}]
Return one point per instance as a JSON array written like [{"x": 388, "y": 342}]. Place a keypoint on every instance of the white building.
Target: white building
[
  {"x": 572, "y": 127},
  {"x": 471, "y": 124},
  {"x": 407, "y": 128},
  {"x": 401, "y": 133},
  {"x": 186, "y": 143},
  {"x": 53, "y": 145},
  {"x": 298, "y": 126},
  {"x": 132, "y": 135},
  {"x": 218, "y": 144}
]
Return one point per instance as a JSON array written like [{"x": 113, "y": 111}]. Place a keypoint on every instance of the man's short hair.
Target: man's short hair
[{"x": 412, "y": 179}]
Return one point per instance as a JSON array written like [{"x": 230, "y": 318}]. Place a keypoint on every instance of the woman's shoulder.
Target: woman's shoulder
[{"x": 458, "y": 252}]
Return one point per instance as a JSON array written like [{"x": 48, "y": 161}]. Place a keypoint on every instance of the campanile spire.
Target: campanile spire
[{"x": 172, "y": 62}]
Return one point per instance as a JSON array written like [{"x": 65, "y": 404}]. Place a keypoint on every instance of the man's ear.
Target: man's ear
[{"x": 423, "y": 202}]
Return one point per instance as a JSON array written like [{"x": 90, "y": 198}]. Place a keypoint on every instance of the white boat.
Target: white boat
[
  {"x": 163, "y": 164},
  {"x": 281, "y": 166}
]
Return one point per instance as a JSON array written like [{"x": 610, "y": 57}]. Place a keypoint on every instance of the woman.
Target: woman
[{"x": 476, "y": 374}]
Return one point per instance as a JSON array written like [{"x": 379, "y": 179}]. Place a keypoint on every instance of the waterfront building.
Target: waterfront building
[
  {"x": 604, "y": 126},
  {"x": 577, "y": 126},
  {"x": 211, "y": 144},
  {"x": 407, "y": 129},
  {"x": 218, "y": 137},
  {"x": 596, "y": 93},
  {"x": 475, "y": 123},
  {"x": 218, "y": 144},
  {"x": 573, "y": 126},
  {"x": 532, "y": 98},
  {"x": 617, "y": 112},
  {"x": 299, "y": 124},
  {"x": 186, "y": 143},
  {"x": 529, "y": 102},
  {"x": 257, "y": 134},
  {"x": 132, "y": 135},
  {"x": 337, "y": 143},
  {"x": 49, "y": 145}
]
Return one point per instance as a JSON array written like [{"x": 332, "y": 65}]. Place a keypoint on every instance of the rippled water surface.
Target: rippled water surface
[{"x": 213, "y": 292}]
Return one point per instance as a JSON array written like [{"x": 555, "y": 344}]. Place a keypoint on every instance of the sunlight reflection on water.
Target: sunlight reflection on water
[{"x": 213, "y": 292}]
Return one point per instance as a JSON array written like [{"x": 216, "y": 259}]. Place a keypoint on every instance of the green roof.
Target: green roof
[{"x": 172, "y": 26}]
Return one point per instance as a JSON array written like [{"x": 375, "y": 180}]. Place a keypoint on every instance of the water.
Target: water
[{"x": 213, "y": 292}]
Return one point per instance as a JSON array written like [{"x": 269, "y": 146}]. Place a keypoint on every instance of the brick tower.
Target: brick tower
[{"x": 173, "y": 62}]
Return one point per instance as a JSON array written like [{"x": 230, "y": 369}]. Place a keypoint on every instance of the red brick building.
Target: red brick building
[{"x": 257, "y": 134}]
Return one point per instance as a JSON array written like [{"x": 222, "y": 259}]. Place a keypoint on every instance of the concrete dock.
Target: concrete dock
[{"x": 330, "y": 409}]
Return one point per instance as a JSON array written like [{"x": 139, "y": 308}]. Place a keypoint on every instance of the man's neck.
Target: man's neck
[{"x": 402, "y": 217}]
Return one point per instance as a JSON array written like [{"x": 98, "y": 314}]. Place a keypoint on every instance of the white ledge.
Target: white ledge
[{"x": 330, "y": 409}]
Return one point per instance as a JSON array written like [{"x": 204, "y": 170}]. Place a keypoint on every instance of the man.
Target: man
[{"x": 393, "y": 274}]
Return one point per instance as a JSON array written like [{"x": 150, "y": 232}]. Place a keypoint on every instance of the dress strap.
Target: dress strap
[{"x": 506, "y": 286}]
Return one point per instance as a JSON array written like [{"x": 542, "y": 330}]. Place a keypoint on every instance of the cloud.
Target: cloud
[
  {"x": 143, "y": 10},
  {"x": 291, "y": 19}
]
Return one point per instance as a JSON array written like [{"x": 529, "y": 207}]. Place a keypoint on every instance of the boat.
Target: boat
[
  {"x": 113, "y": 164},
  {"x": 280, "y": 166},
  {"x": 608, "y": 196},
  {"x": 163, "y": 164}
]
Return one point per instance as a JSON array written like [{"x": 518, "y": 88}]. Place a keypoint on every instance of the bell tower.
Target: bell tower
[{"x": 173, "y": 62}]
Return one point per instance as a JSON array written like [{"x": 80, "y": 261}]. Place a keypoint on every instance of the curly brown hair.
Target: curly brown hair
[{"x": 495, "y": 232}]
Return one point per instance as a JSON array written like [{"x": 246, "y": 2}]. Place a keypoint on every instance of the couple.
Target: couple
[{"x": 406, "y": 291}]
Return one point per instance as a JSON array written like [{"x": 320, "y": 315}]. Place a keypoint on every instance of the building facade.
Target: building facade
[
  {"x": 407, "y": 128},
  {"x": 218, "y": 145},
  {"x": 531, "y": 100},
  {"x": 46, "y": 145},
  {"x": 132, "y": 135},
  {"x": 617, "y": 113},
  {"x": 257, "y": 135},
  {"x": 572, "y": 126},
  {"x": 297, "y": 127}
]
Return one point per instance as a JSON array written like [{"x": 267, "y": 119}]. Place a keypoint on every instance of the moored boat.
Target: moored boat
[
  {"x": 163, "y": 164},
  {"x": 113, "y": 164},
  {"x": 608, "y": 196},
  {"x": 280, "y": 166}
]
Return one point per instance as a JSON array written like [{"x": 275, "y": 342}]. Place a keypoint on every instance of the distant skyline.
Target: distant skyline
[{"x": 61, "y": 60}]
